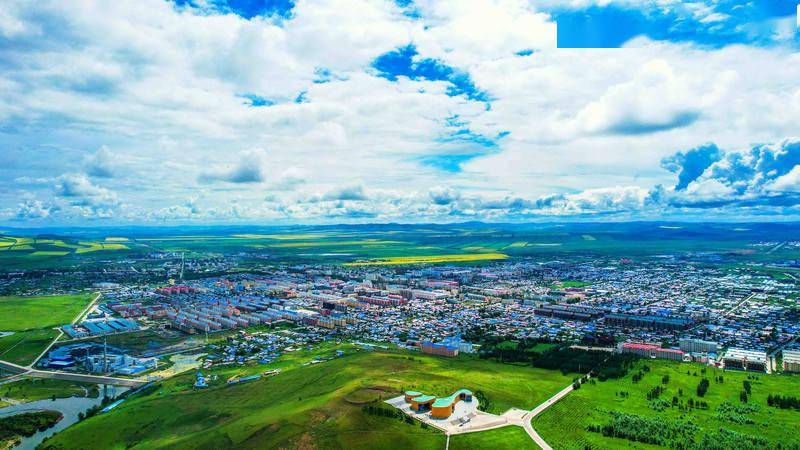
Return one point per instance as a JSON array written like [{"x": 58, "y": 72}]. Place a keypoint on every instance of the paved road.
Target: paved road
[
  {"x": 526, "y": 421},
  {"x": 61, "y": 333},
  {"x": 11, "y": 367}
]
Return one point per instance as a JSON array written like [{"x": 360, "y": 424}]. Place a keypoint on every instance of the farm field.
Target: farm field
[
  {"x": 401, "y": 244},
  {"x": 307, "y": 404},
  {"x": 564, "y": 425},
  {"x": 28, "y": 323}
]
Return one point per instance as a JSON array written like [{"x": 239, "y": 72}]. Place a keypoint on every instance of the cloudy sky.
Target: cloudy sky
[{"x": 328, "y": 111}]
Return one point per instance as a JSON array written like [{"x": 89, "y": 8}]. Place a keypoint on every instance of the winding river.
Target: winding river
[{"x": 69, "y": 407}]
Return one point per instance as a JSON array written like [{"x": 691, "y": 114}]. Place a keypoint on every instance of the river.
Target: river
[{"x": 69, "y": 407}]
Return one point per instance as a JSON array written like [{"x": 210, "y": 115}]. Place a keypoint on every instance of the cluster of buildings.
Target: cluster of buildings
[
  {"x": 96, "y": 358},
  {"x": 100, "y": 327},
  {"x": 663, "y": 308}
]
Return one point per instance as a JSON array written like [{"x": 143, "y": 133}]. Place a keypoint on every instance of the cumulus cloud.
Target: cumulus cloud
[
  {"x": 34, "y": 209},
  {"x": 790, "y": 182},
  {"x": 751, "y": 170},
  {"x": 443, "y": 195},
  {"x": 288, "y": 180},
  {"x": 526, "y": 129},
  {"x": 691, "y": 164},
  {"x": 599, "y": 200},
  {"x": 250, "y": 168},
  {"x": 101, "y": 164},
  {"x": 351, "y": 192},
  {"x": 656, "y": 99},
  {"x": 90, "y": 199}
]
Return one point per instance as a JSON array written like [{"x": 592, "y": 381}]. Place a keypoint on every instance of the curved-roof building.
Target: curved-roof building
[{"x": 440, "y": 408}]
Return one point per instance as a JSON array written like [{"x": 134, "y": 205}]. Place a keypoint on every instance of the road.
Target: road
[
  {"x": 85, "y": 378},
  {"x": 61, "y": 333},
  {"x": 526, "y": 420}
]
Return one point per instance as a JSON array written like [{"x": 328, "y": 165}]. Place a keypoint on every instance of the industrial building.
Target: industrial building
[
  {"x": 439, "y": 349},
  {"x": 568, "y": 312},
  {"x": 650, "y": 351},
  {"x": 100, "y": 327},
  {"x": 698, "y": 346},
  {"x": 791, "y": 361},
  {"x": 741, "y": 359},
  {"x": 649, "y": 321}
]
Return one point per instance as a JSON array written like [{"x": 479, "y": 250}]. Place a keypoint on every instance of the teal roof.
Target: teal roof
[
  {"x": 413, "y": 393},
  {"x": 424, "y": 398},
  {"x": 447, "y": 401}
]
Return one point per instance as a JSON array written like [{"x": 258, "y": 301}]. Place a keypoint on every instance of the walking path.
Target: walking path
[{"x": 515, "y": 417}]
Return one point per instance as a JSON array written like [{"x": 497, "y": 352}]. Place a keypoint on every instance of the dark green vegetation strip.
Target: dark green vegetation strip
[{"x": 13, "y": 428}]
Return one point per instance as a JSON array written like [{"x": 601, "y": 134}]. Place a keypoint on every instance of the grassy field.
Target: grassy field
[
  {"x": 32, "y": 389},
  {"x": 564, "y": 426},
  {"x": 306, "y": 406},
  {"x": 511, "y": 437},
  {"x": 32, "y": 322}
]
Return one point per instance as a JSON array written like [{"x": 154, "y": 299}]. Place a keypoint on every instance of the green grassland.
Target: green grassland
[
  {"x": 564, "y": 426},
  {"x": 32, "y": 389},
  {"x": 33, "y": 322},
  {"x": 510, "y": 437},
  {"x": 306, "y": 406}
]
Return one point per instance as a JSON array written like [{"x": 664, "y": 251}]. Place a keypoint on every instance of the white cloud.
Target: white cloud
[
  {"x": 250, "y": 168},
  {"x": 166, "y": 90}
]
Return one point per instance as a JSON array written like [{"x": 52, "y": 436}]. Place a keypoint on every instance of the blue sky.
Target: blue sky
[{"x": 294, "y": 111}]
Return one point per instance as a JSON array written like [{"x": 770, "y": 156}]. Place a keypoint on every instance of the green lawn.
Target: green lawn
[
  {"x": 510, "y": 437},
  {"x": 33, "y": 320},
  {"x": 32, "y": 389},
  {"x": 565, "y": 424},
  {"x": 305, "y": 405}
]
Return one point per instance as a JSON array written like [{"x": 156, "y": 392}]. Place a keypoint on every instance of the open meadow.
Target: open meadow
[{"x": 320, "y": 404}]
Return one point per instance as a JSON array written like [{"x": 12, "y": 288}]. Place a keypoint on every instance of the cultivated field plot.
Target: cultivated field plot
[
  {"x": 28, "y": 324},
  {"x": 722, "y": 416},
  {"x": 308, "y": 406}
]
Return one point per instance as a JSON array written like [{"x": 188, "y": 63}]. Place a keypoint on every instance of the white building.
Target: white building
[
  {"x": 791, "y": 360},
  {"x": 698, "y": 346},
  {"x": 750, "y": 360}
]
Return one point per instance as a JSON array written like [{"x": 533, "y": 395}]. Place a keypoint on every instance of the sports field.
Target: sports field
[
  {"x": 308, "y": 406},
  {"x": 29, "y": 323},
  {"x": 564, "y": 425}
]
